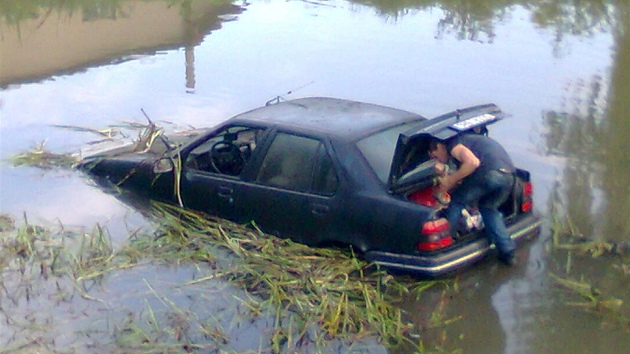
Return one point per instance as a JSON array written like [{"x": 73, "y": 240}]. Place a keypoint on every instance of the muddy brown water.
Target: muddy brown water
[{"x": 561, "y": 70}]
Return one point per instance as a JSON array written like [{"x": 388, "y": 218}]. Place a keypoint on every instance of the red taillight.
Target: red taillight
[
  {"x": 435, "y": 245},
  {"x": 436, "y": 234},
  {"x": 431, "y": 197},
  {"x": 526, "y": 201},
  {"x": 528, "y": 189},
  {"x": 435, "y": 226}
]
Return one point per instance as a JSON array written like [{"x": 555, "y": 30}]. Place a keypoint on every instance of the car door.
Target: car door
[
  {"x": 296, "y": 191},
  {"x": 212, "y": 173}
]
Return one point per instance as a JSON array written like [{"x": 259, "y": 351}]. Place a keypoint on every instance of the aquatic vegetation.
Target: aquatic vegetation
[
  {"x": 307, "y": 297},
  {"x": 329, "y": 288},
  {"x": 60, "y": 252},
  {"x": 45, "y": 267},
  {"x": 40, "y": 157},
  {"x": 603, "y": 290}
]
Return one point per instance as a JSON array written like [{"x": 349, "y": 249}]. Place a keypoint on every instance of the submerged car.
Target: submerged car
[{"x": 325, "y": 172}]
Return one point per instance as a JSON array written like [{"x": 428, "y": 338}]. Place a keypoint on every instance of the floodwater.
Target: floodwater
[{"x": 561, "y": 69}]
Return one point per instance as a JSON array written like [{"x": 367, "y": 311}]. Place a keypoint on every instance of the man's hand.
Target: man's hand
[{"x": 441, "y": 169}]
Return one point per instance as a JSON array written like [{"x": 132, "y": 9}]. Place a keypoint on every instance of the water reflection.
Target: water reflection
[
  {"x": 476, "y": 20},
  {"x": 99, "y": 32},
  {"x": 591, "y": 198},
  {"x": 615, "y": 144},
  {"x": 571, "y": 18},
  {"x": 577, "y": 136},
  {"x": 593, "y": 192},
  {"x": 425, "y": 56}
]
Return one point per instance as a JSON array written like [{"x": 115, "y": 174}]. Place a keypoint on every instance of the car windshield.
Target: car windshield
[{"x": 379, "y": 149}]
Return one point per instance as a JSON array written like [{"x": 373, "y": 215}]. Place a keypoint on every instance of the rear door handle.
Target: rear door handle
[{"x": 225, "y": 193}]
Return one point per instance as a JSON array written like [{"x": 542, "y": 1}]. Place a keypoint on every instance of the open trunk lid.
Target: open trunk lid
[{"x": 411, "y": 163}]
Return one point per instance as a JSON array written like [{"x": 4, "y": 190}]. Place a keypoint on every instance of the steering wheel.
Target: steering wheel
[{"x": 226, "y": 158}]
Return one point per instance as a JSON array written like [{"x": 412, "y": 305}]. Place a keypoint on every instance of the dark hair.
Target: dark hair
[{"x": 433, "y": 144}]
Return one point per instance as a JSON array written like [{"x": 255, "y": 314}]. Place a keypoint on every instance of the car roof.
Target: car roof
[{"x": 346, "y": 118}]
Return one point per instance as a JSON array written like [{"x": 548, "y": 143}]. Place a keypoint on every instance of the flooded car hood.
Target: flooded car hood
[{"x": 143, "y": 148}]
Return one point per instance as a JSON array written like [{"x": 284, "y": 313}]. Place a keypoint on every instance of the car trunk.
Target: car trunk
[
  {"x": 437, "y": 235},
  {"x": 412, "y": 175},
  {"x": 428, "y": 194}
]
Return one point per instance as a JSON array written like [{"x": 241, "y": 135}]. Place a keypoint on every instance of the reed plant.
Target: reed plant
[
  {"x": 603, "y": 294},
  {"x": 42, "y": 158},
  {"x": 313, "y": 296},
  {"x": 330, "y": 289}
]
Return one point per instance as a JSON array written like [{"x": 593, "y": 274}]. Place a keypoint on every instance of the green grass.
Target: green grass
[
  {"x": 41, "y": 158},
  {"x": 330, "y": 288},
  {"x": 595, "y": 272},
  {"x": 311, "y": 295}
]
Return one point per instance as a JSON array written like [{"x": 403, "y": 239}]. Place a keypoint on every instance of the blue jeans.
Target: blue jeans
[{"x": 488, "y": 191}]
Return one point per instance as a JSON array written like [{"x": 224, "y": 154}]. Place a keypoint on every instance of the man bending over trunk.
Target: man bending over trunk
[{"x": 484, "y": 177}]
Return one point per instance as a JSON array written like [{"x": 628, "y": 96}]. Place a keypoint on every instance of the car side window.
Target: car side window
[
  {"x": 325, "y": 178},
  {"x": 298, "y": 163},
  {"x": 227, "y": 152}
]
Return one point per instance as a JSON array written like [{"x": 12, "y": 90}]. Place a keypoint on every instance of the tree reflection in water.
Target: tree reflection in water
[
  {"x": 591, "y": 199},
  {"x": 594, "y": 190}
]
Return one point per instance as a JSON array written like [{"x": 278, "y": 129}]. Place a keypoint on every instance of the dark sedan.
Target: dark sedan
[{"x": 323, "y": 172}]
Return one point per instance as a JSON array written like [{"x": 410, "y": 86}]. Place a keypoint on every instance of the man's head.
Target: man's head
[{"x": 437, "y": 150}]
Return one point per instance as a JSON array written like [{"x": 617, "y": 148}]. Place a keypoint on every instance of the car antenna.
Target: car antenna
[{"x": 278, "y": 98}]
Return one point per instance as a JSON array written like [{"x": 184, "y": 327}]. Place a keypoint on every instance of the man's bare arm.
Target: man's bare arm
[{"x": 468, "y": 164}]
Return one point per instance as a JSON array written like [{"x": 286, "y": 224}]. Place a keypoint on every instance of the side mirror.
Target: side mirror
[{"x": 163, "y": 165}]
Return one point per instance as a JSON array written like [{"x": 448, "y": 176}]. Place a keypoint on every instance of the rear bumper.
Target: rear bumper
[{"x": 460, "y": 257}]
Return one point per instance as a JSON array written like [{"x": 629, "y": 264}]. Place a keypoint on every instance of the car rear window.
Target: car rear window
[{"x": 379, "y": 149}]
